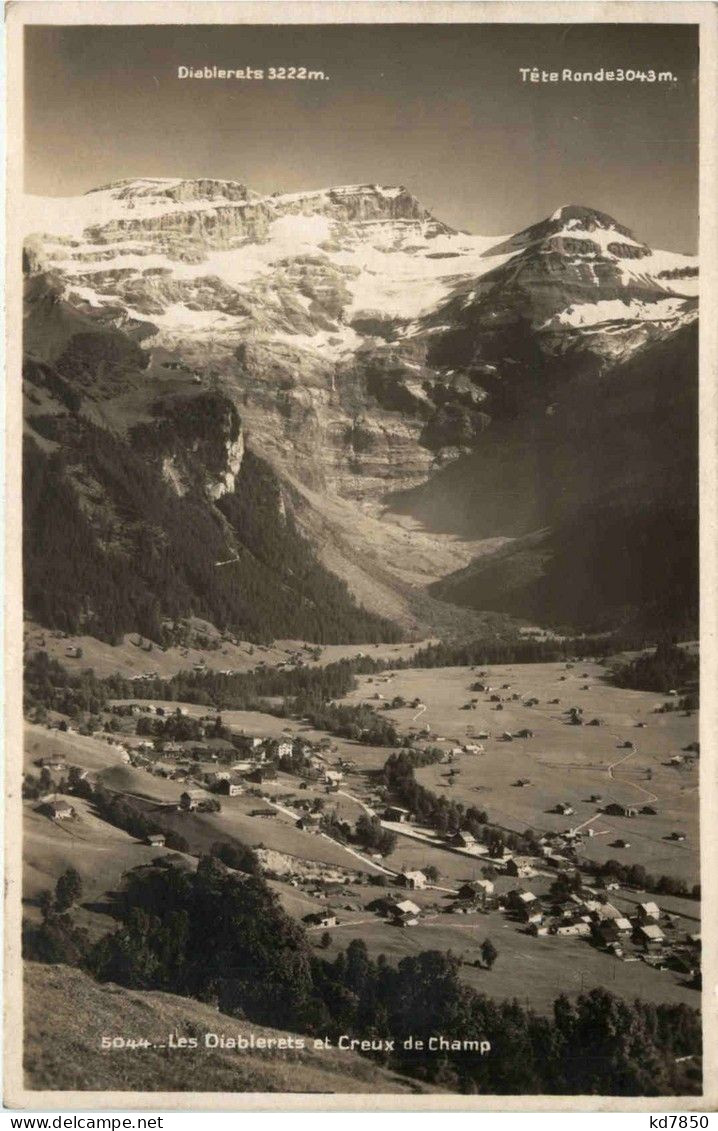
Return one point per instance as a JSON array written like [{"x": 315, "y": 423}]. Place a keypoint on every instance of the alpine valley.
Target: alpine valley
[{"x": 327, "y": 415}]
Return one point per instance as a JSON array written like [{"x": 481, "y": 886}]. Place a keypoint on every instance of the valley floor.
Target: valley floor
[{"x": 315, "y": 874}]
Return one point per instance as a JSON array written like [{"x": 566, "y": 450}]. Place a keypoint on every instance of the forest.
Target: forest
[{"x": 109, "y": 548}]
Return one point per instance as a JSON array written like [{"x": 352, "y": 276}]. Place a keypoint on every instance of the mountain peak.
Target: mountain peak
[{"x": 585, "y": 215}]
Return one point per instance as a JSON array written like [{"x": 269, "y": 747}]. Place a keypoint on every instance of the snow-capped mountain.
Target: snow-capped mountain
[
  {"x": 215, "y": 258},
  {"x": 365, "y": 344}
]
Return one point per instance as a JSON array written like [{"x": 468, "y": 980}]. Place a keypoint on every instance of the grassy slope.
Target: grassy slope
[{"x": 66, "y": 1014}]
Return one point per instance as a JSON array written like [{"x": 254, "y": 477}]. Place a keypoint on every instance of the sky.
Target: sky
[{"x": 441, "y": 109}]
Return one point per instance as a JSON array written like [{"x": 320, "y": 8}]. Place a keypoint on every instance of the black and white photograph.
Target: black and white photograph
[{"x": 360, "y": 635}]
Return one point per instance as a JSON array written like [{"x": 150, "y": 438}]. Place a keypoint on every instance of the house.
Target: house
[
  {"x": 404, "y": 913},
  {"x": 524, "y": 733},
  {"x": 190, "y": 799},
  {"x": 230, "y": 788},
  {"x": 318, "y": 919},
  {"x": 262, "y": 774},
  {"x": 309, "y": 821},
  {"x": 478, "y": 890},
  {"x": 615, "y": 809},
  {"x": 396, "y": 814},
  {"x": 414, "y": 881},
  {"x": 156, "y": 840},
  {"x": 579, "y": 929},
  {"x": 648, "y": 912},
  {"x": 333, "y": 777},
  {"x": 521, "y": 866},
  {"x": 614, "y": 930},
  {"x": 59, "y": 810},
  {"x": 472, "y": 748},
  {"x": 520, "y": 901},
  {"x": 649, "y": 936},
  {"x": 564, "y": 808},
  {"x": 284, "y": 749},
  {"x": 677, "y": 836},
  {"x": 214, "y": 777}
]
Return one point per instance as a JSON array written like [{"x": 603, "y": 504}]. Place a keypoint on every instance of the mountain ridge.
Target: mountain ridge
[{"x": 366, "y": 346}]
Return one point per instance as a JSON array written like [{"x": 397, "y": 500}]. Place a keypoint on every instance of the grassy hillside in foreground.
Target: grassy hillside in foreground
[{"x": 67, "y": 1013}]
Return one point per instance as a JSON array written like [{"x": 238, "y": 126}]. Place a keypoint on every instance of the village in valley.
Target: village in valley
[{"x": 534, "y": 819}]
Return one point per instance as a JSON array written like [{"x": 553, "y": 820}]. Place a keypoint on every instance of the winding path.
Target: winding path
[{"x": 651, "y": 797}]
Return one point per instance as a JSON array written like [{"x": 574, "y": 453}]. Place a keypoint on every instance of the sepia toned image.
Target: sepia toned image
[{"x": 360, "y": 651}]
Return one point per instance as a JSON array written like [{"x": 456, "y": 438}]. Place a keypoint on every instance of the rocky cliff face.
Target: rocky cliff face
[{"x": 367, "y": 347}]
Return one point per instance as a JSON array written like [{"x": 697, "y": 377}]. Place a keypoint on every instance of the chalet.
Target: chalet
[
  {"x": 309, "y": 822},
  {"x": 262, "y": 774},
  {"x": 649, "y": 811},
  {"x": 396, "y": 814},
  {"x": 478, "y": 891},
  {"x": 333, "y": 777},
  {"x": 524, "y": 733},
  {"x": 284, "y": 749},
  {"x": 564, "y": 808},
  {"x": 73, "y": 652},
  {"x": 59, "y": 810},
  {"x": 190, "y": 799},
  {"x": 518, "y": 899},
  {"x": 521, "y": 866},
  {"x": 467, "y": 841},
  {"x": 320, "y": 919},
  {"x": 579, "y": 929},
  {"x": 250, "y": 741},
  {"x": 156, "y": 840},
  {"x": 677, "y": 836},
  {"x": 614, "y": 930},
  {"x": 414, "y": 881},
  {"x": 649, "y": 936},
  {"x": 648, "y": 912},
  {"x": 214, "y": 777},
  {"x": 615, "y": 809},
  {"x": 230, "y": 788},
  {"x": 472, "y": 748},
  {"x": 404, "y": 913}
]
